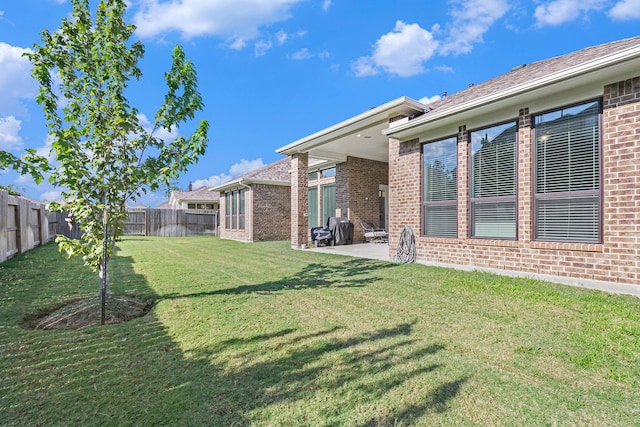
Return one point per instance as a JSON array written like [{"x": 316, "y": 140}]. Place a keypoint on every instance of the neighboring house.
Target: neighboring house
[
  {"x": 536, "y": 171},
  {"x": 200, "y": 199},
  {"x": 257, "y": 205}
]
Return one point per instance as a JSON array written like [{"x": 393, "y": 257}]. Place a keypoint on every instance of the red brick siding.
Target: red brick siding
[
  {"x": 357, "y": 187},
  {"x": 271, "y": 212},
  {"x": 617, "y": 259},
  {"x": 299, "y": 199}
]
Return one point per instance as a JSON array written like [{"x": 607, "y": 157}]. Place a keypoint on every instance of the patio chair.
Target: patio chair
[{"x": 372, "y": 234}]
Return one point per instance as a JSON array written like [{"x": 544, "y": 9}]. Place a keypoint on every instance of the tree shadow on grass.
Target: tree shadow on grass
[
  {"x": 135, "y": 373},
  {"x": 348, "y": 274}
]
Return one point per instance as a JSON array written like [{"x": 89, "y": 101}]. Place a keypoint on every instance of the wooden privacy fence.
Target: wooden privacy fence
[
  {"x": 171, "y": 222},
  {"x": 24, "y": 225},
  {"x": 151, "y": 222}
]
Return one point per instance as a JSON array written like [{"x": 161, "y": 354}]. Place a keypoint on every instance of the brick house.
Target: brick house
[
  {"x": 257, "y": 205},
  {"x": 536, "y": 171},
  {"x": 200, "y": 199}
]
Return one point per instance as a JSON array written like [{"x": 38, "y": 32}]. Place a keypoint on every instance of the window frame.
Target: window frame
[
  {"x": 496, "y": 200},
  {"x": 560, "y": 195},
  {"x": 227, "y": 210},
  {"x": 453, "y": 202}
]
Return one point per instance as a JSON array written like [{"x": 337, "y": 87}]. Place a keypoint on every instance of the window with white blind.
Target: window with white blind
[
  {"x": 440, "y": 188},
  {"x": 493, "y": 182},
  {"x": 567, "y": 174}
]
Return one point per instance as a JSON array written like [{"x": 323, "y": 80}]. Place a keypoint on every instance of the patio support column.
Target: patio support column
[{"x": 299, "y": 199}]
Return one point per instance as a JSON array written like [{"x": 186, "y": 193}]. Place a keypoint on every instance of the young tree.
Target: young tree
[
  {"x": 104, "y": 156},
  {"x": 29, "y": 164}
]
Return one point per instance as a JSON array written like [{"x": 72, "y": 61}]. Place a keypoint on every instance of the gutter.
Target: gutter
[
  {"x": 541, "y": 82},
  {"x": 242, "y": 182}
]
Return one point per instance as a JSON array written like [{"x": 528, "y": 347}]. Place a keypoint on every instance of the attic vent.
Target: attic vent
[{"x": 517, "y": 67}]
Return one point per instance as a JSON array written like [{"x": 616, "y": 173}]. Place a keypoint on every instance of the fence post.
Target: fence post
[
  {"x": 22, "y": 219},
  {"x": 4, "y": 212},
  {"x": 44, "y": 225}
]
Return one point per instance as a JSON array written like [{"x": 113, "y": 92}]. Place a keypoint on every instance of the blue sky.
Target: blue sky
[{"x": 274, "y": 71}]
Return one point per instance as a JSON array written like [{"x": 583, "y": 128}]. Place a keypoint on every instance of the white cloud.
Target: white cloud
[
  {"x": 245, "y": 166},
  {"x": 560, "y": 11},
  {"x": 236, "y": 170},
  {"x": 212, "y": 181},
  {"x": 16, "y": 82},
  {"x": 302, "y": 54},
  {"x": 401, "y": 52},
  {"x": 626, "y": 10},
  {"x": 237, "y": 22},
  {"x": 51, "y": 196},
  {"x": 261, "y": 47},
  {"x": 471, "y": 19},
  {"x": 10, "y": 139},
  {"x": 445, "y": 68},
  {"x": 281, "y": 37},
  {"x": 428, "y": 100},
  {"x": 164, "y": 134},
  {"x": 326, "y": 4}
]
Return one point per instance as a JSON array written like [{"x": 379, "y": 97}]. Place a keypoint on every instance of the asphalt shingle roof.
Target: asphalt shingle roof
[{"x": 527, "y": 72}]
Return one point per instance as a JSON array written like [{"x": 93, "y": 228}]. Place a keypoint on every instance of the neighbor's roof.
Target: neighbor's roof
[
  {"x": 592, "y": 64},
  {"x": 276, "y": 173},
  {"x": 200, "y": 194}
]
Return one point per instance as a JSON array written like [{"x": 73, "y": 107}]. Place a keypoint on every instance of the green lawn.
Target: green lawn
[{"x": 259, "y": 334}]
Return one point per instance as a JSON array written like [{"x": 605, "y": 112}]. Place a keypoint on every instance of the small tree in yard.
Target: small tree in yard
[{"x": 104, "y": 156}]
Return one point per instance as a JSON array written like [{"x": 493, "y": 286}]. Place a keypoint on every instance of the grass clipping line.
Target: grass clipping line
[{"x": 85, "y": 313}]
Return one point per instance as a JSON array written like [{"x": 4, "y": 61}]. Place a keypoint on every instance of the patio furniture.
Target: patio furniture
[
  {"x": 372, "y": 234},
  {"x": 321, "y": 235},
  {"x": 341, "y": 229}
]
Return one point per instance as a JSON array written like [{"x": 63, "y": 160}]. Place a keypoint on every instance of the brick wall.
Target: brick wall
[
  {"x": 299, "y": 199},
  {"x": 357, "y": 187},
  {"x": 271, "y": 212},
  {"x": 617, "y": 259}
]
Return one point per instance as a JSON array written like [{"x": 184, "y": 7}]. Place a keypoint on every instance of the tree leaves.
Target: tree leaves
[{"x": 104, "y": 156}]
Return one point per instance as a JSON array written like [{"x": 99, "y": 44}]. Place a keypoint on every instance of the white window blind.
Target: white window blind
[
  {"x": 568, "y": 174},
  {"x": 493, "y": 182},
  {"x": 440, "y": 188}
]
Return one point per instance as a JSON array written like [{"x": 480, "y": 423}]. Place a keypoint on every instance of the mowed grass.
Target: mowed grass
[{"x": 259, "y": 334}]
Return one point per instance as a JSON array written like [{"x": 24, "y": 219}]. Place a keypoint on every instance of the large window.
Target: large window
[
  {"x": 313, "y": 207},
  {"x": 567, "y": 187},
  {"x": 234, "y": 210},
  {"x": 241, "y": 194},
  {"x": 493, "y": 182},
  {"x": 328, "y": 202},
  {"x": 227, "y": 210},
  {"x": 440, "y": 188}
]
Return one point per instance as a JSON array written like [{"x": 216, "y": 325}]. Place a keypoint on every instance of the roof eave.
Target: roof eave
[
  {"x": 244, "y": 182},
  {"x": 414, "y": 126},
  {"x": 400, "y": 105}
]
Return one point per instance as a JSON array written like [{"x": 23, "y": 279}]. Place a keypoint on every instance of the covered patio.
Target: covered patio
[
  {"x": 357, "y": 153},
  {"x": 379, "y": 251}
]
